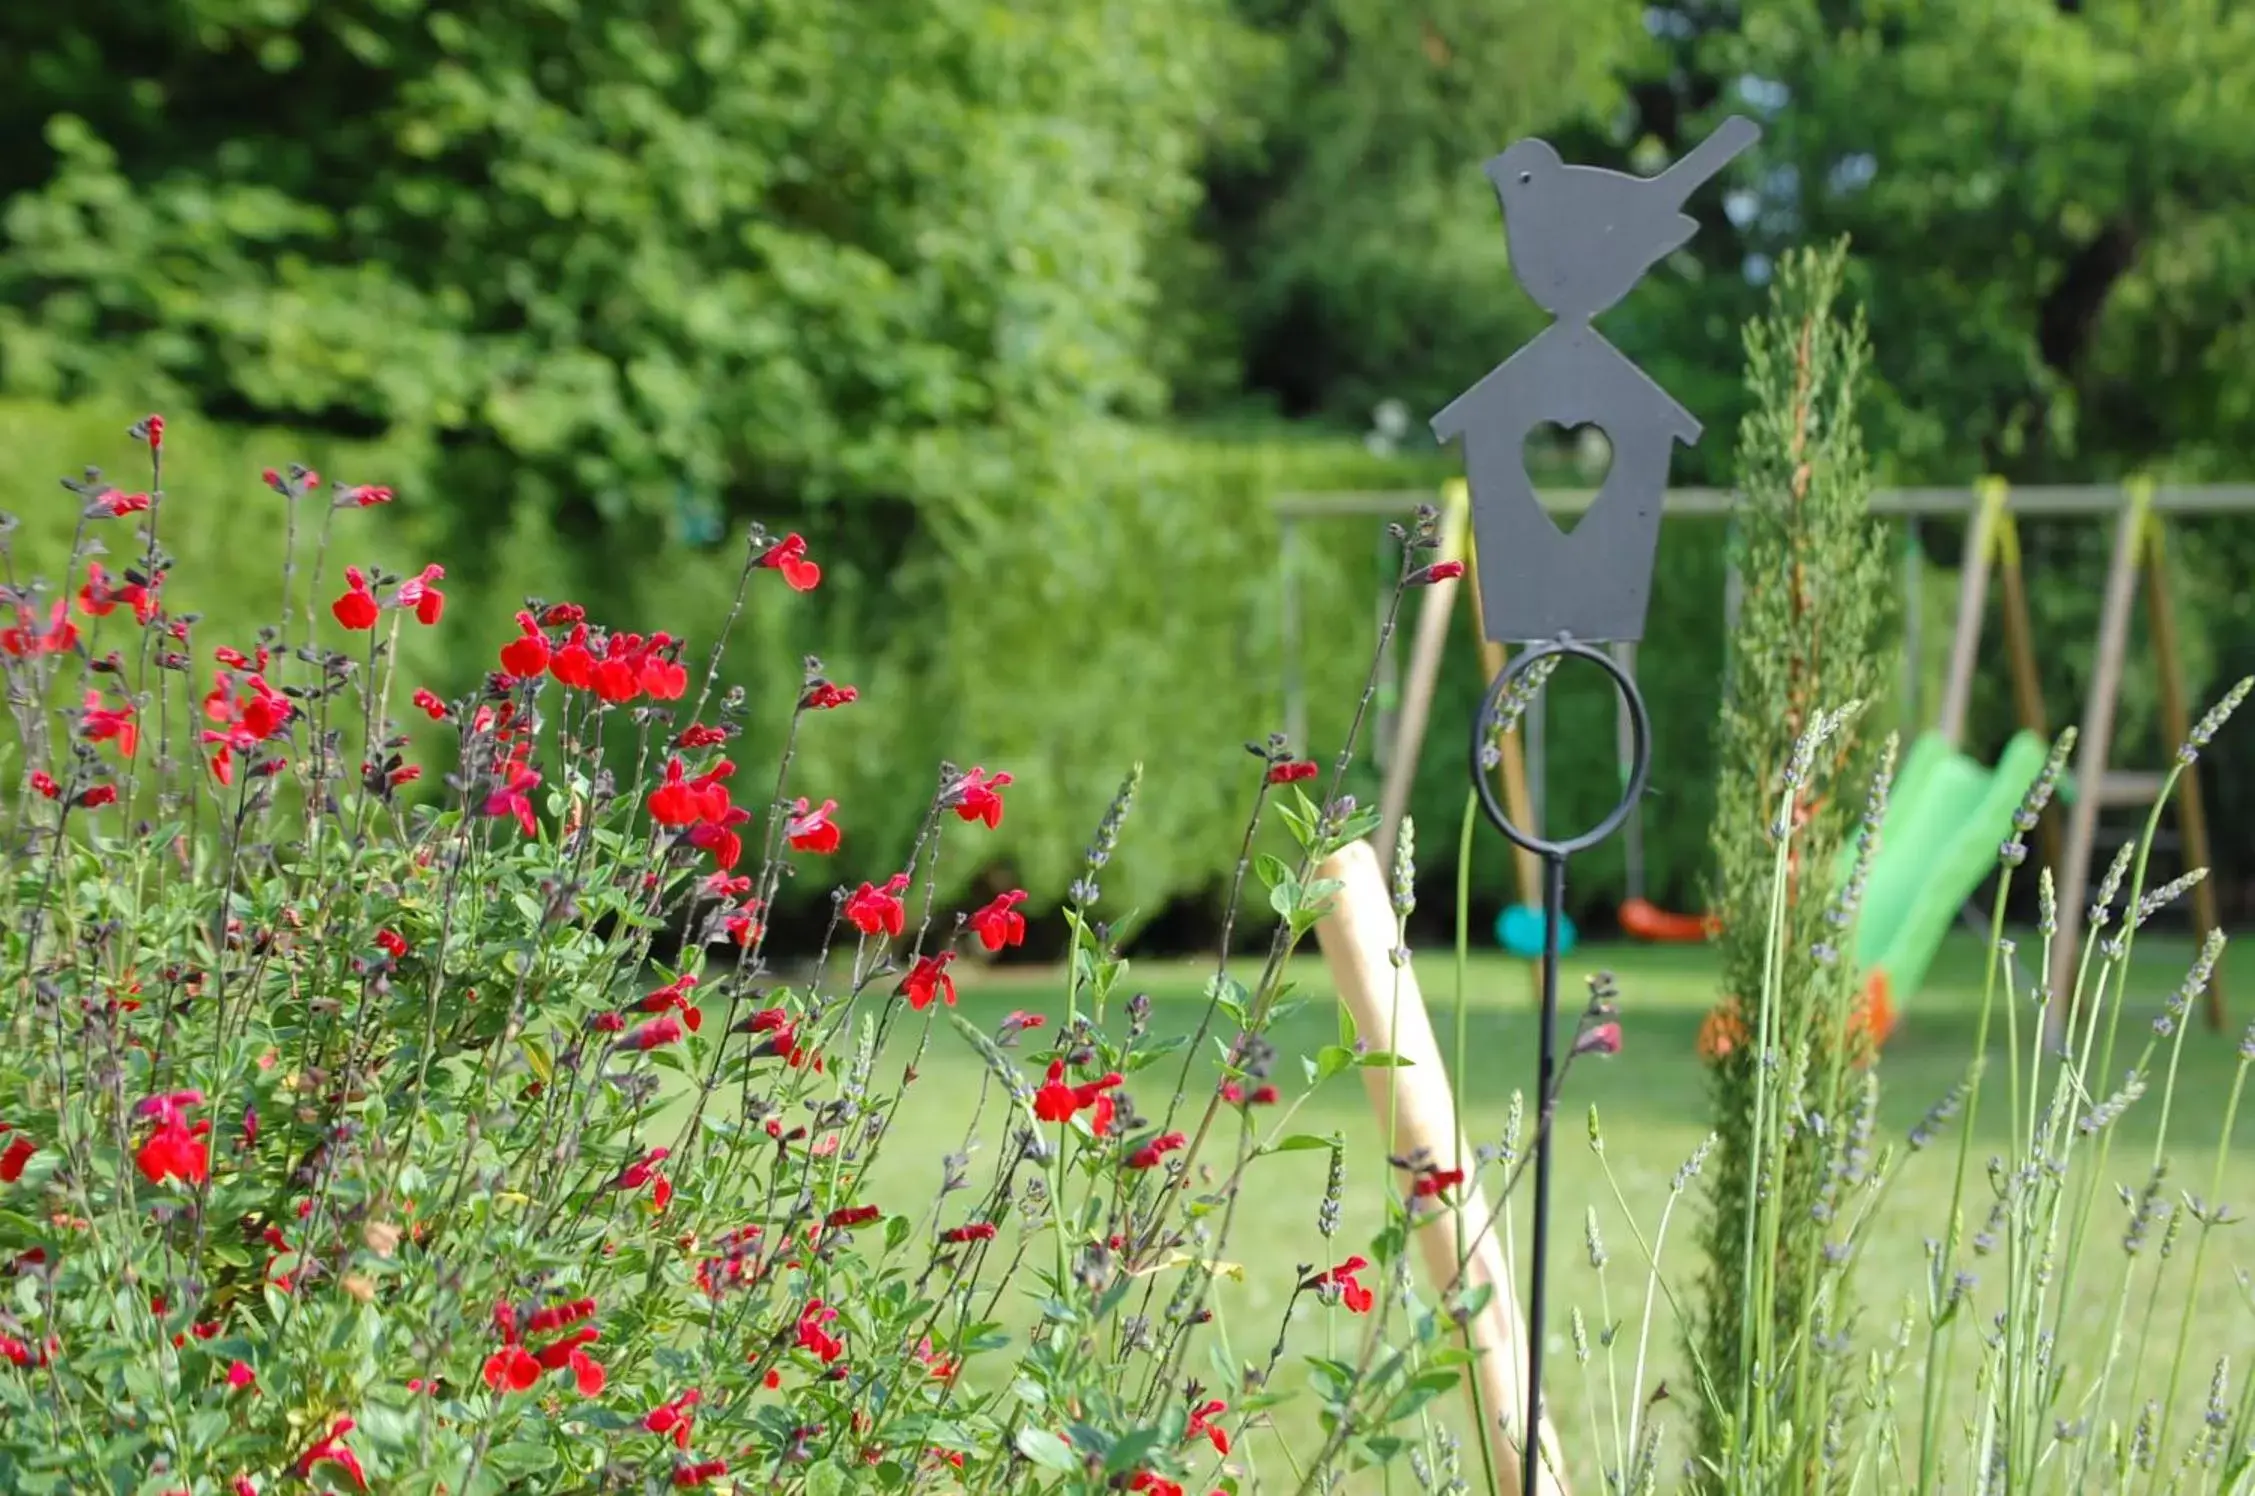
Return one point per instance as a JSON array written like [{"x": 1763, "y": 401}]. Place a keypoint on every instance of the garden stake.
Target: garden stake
[{"x": 1580, "y": 240}]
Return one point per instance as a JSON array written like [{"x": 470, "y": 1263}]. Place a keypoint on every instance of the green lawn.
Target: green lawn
[{"x": 1652, "y": 1099}]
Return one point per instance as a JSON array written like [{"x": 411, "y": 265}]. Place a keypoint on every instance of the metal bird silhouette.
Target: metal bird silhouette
[{"x": 1581, "y": 237}]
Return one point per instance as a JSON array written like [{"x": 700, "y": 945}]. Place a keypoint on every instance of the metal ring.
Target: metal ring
[{"x": 1640, "y": 747}]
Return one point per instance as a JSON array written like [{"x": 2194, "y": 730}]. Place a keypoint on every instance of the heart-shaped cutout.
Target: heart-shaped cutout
[{"x": 1562, "y": 461}]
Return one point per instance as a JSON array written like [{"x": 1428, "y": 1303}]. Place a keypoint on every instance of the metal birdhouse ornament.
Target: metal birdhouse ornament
[{"x": 1580, "y": 239}]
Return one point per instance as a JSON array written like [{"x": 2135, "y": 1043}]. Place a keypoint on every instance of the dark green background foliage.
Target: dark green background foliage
[{"x": 1022, "y": 313}]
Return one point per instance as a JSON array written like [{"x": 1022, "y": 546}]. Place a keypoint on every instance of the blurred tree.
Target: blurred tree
[
  {"x": 1363, "y": 248},
  {"x": 2043, "y": 199},
  {"x": 764, "y": 248}
]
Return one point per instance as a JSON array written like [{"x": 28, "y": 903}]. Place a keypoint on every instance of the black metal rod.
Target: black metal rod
[{"x": 1553, "y": 912}]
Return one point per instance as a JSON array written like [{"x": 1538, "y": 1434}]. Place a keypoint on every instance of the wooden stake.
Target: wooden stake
[
  {"x": 2176, "y": 726},
  {"x": 1512, "y": 768},
  {"x": 1414, "y": 1106},
  {"x": 2092, "y": 747},
  {"x": 2027, "y": 679},
  {"x": 1426, "y": 650},
  {"x": 1972, "y": 605}
]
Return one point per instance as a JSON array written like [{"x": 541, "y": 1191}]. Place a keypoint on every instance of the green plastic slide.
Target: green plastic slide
[{"x": 1945, "y": 820}]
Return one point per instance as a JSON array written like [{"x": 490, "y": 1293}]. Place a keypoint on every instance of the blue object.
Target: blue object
[{"x": 1519, "y": 931}]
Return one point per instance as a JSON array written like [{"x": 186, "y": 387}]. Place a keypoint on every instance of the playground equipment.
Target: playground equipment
[{"x": 1948, "y": 812}]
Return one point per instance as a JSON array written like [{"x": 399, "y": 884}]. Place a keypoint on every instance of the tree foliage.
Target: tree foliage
[{"x": 630, "y": 246}]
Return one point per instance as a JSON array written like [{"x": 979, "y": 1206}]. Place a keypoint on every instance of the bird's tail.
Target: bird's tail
[{"x": 1711, "y": 155}]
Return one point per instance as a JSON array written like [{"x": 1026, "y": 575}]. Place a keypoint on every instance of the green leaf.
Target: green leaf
[
  {"x": 1045, "y": 1449},
  {"x": 1381, "y": 1059},
  {"x": 1422, "y": 1389},
  {"x": 1304, "y": 1142},
  {"x": 1273, "y": 872},
  {"x": 896, "y": 1231},
  {"x": 826, "y": 1479},
  {"x": 1331, "y": 1059},
  {"x": 1133, "y": 1451}
]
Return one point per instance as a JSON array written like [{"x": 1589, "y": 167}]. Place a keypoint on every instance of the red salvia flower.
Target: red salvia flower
[
  {"x": 848, "y": 1217},
  {"x": 421, "y": 593},
  {"x": 1432, "y": 1186},
  {"x": 150, "y": 428},
  {"x": 788, "y": 556},
  {"x": 1056, "y": 1101},
  {"x": 879, "y": 911},
  {"x": 663, "y": 677},
  {"x": 509, "y": 799},
  {"x": 978, "y": 797},
  {"x": 175, "y": 1150},
  {"x": 1439, "y": 571},
  {"x": 655, "y": 1034},
  {"x": 331, "y": 1449},
  {"x": 976, "y": 1231},
  {"x": 637, "y": 1174},
  {"x": 111, "y": 504},
  {"x": 19, "y": 1152},
  {"x": 100, "y": 597},
  {"x": 44, "y": 783},
  {"x": 699, "y": 735},
  {"x": 813, "y": 1336},
  {"x": 1148, "y": 1156},
  {"x": 553, "y": 1317},
  {"x": 526, "y": 656},
  {"x": 942, "y": 1366},
  {"x": 1601, "y": 1038},
  {"x": 392, "y": 943},
  {"x": 511, "y": 1368},
  {"x": 998, "y": 923},
  {"x": 688, "y": 1477},
  {"x": 717, "y": 835},
  {"x": 98, "y": 796},
  {"x": 928, "y": 979},
  {"x": 743, "y": 926},
  {"x": 27, "y": 638},
  {"x": 1293, "y": 771},
  {"x": 566, "y": 1354},
  {"x": 368, "y": 496},
  {"x": 675, "y": 995},
  {"x": 240, "y": 1375},
  {"x": 1201, "y": 1423},
  {"x": 573, "y": 665},
  {"x": 812, "y": 830},
  {"x": 678, "y": 801},
  {"x": 822, "y": 696},
  {"x": 1150, "y": 1483},
  {"x": 103, "y": 724},
  {"x": 1343, "y": 1281},
  {"x": 674, "y": 1418},
  {"x": 356, "y": 609}
]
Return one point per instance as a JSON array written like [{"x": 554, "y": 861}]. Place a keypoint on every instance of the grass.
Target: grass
[{"x": 1652, "y": 1099}]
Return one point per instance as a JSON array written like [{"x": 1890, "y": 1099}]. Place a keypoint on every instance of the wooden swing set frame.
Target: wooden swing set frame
[{"x": 2141, "y": 513}]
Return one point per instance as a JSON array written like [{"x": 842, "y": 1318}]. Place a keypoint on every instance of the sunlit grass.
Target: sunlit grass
[{"x": 1652, "y": 1100}]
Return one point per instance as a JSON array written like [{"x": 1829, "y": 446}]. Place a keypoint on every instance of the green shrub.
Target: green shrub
[{"x": 353, "y": 1145}]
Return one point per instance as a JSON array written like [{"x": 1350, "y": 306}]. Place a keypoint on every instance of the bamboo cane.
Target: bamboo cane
[
  {"x": 1424, "y": 677},
  {"x": 1357, "y": 936}
]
